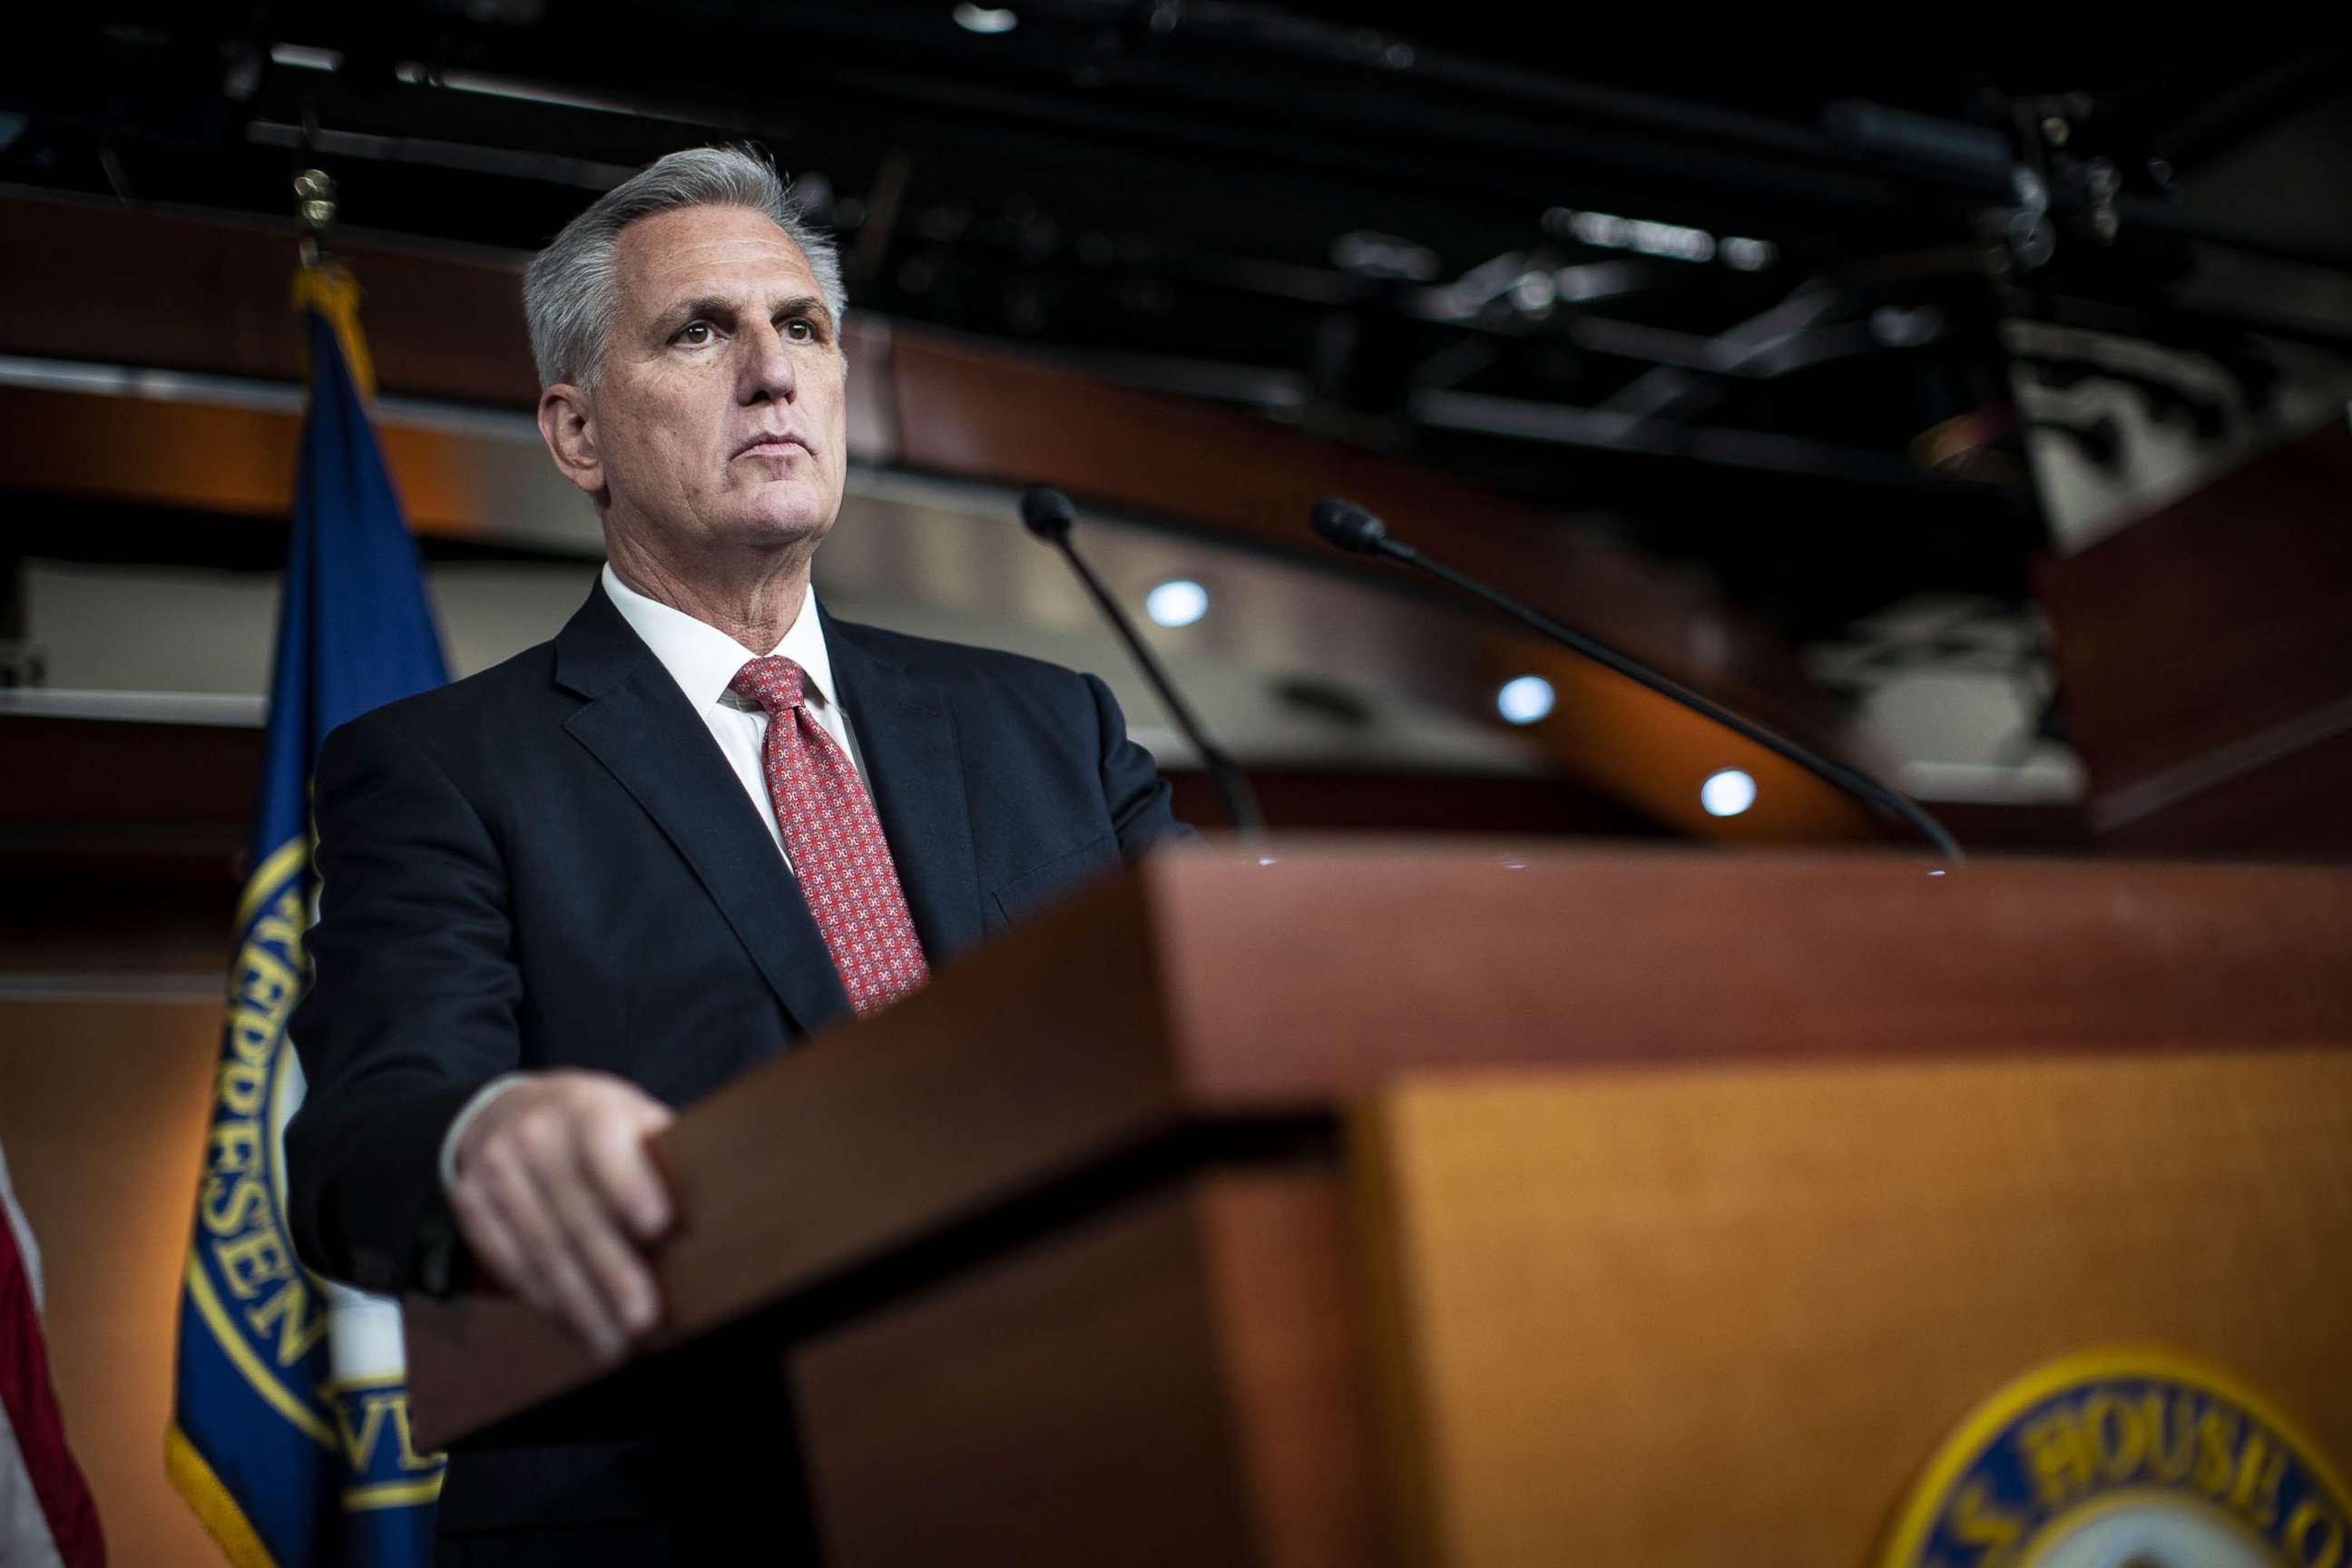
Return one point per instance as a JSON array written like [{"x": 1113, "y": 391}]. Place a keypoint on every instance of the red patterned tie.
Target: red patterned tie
[{"x": 836, "y": 843}]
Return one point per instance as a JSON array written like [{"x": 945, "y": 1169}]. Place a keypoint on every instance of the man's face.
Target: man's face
[{"x": 718, "y": 415}]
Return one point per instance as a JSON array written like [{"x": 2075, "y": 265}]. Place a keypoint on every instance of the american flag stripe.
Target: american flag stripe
[{"x": 47, "y": 1516}]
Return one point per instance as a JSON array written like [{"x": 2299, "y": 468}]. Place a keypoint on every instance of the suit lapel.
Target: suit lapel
[
  {"x": 908, "y": 738},
  {"x": 643, "y": 728}
]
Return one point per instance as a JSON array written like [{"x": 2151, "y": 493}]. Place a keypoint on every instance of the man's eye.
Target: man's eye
[
  {"x": 801, "y": 330},
  {"x": 694, "y": 335}
]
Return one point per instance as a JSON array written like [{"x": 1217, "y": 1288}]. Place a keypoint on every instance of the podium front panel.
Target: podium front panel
[{"x": 1728, "y": 1315}]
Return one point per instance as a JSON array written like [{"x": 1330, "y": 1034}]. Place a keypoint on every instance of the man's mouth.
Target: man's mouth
[{"x": 772, "y": 446}]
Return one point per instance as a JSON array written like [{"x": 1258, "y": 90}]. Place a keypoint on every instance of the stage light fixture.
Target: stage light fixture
[
  {"x": 302, "y": 57},
  {"x": 974, "y": 18}
]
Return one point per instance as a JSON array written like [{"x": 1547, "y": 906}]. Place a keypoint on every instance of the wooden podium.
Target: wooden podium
[{"x": 1342, "y": 1204}]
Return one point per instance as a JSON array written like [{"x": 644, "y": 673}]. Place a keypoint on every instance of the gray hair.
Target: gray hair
[{"x": 571, "y": 290}]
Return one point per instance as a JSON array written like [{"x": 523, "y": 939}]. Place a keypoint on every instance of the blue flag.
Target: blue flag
[{"x": 289, "y": 1433}]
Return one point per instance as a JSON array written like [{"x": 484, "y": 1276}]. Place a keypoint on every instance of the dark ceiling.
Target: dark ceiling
[{"x": 1454, "y": 234}]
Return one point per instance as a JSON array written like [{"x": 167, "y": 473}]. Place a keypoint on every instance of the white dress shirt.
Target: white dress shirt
[{"x": 703, "y": 659}]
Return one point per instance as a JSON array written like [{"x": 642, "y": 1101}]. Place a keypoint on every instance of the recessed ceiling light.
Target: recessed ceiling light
[
  {"x": 1524, "y": 699},
  {"x": 1177, "y": 601},
  {"x": 1728, "y": 792}
]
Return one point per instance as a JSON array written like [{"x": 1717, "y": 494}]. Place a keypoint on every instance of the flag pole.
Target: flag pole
[
  {"x": 322, "y": 283},
  {"x": 314, "y": 210}
]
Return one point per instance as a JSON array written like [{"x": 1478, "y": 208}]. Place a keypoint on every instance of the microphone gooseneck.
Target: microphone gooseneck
[
  {"x": 1351, "y": 527},
  {"x": 1047, "y": 513}
]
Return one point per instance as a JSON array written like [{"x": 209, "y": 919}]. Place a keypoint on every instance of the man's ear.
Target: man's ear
[{"x": 569, "y": 427}]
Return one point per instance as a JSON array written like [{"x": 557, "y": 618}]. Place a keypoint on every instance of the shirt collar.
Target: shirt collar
[{"x": 703, "y": 659}]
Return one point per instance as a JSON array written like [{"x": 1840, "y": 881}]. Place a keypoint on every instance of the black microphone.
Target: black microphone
[
  {"x": 1047, "y": 513},
  {"x": 1351, "y": 527}
]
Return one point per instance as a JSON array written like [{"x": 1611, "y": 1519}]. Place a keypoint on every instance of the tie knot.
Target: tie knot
[{"x": 773, "y": 682}]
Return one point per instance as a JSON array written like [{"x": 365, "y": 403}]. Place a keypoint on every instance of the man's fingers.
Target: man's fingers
[
  {"x": 493, "y": 1241},
  {"x": 557, "y": 1193},
  {"x": 523, "y": 1200},
  {"x": 613, "y": 1154},
  {"x": 505, "y": 1193},
  {"x": 609, "y": 1264}
]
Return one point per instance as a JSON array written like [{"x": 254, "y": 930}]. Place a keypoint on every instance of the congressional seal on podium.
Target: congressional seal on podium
[{"x": 2125, "y": 1459}]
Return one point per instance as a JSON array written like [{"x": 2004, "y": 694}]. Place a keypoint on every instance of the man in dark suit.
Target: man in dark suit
[{"x": 570, "y": 893}]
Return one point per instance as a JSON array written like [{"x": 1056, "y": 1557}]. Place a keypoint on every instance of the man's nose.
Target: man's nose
[{"x": 767, "y": 369}]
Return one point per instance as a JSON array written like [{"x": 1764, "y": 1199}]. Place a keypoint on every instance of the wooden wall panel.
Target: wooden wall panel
[
  {"x": 2205, "y": 655},
  {"x": 102, "y": 1107},
  {"x": 2292, "y": 806},
  {"x": 184, "y": 291}
]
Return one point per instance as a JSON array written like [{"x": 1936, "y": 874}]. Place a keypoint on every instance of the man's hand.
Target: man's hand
[{"x": 557, "y": 1195}]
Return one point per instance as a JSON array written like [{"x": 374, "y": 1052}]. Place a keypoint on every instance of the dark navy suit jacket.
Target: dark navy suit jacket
[{"x": 549, "y": 864}]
